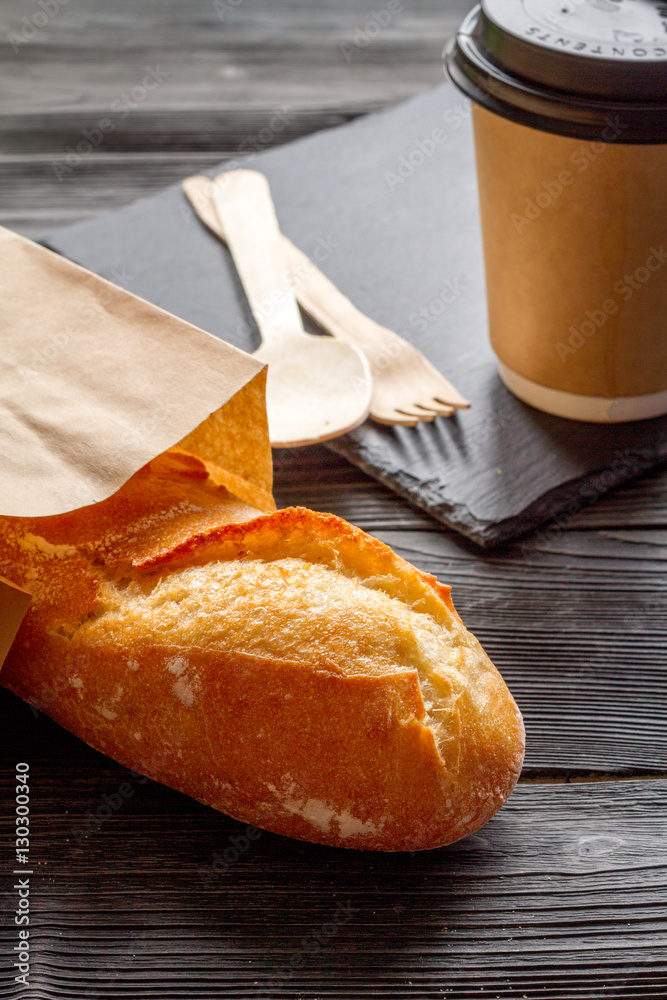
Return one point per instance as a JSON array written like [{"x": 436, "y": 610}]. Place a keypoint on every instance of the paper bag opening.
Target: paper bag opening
[{"x": 96, "y": 383}]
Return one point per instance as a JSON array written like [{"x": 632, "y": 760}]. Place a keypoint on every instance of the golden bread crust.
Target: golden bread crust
[{"x": 285, "y": 668}]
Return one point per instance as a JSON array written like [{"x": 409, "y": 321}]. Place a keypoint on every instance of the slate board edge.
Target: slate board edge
[{"x": 550, "y": 509}]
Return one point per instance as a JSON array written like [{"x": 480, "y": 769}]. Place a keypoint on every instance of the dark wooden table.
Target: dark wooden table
[{"x": 563, "y": 894}]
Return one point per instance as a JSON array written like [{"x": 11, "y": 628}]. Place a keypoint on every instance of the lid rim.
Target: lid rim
[{"x": 499, "y": 88}]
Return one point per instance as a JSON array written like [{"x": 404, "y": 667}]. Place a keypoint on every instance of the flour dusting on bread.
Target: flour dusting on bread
[{"x": 323, "y": 814}]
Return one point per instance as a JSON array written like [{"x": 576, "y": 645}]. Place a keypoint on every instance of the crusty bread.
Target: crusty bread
[{"x": 285, "y": 668}]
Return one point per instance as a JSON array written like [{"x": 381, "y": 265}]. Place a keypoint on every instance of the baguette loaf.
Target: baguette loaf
[{"x": 285, "y": 668}]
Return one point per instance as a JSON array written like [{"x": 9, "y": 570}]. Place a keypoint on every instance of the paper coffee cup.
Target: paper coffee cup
[{"x": 570, "y": 121}]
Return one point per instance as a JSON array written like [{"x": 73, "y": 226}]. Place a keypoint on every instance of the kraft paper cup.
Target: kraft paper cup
[{"x": 573, "y": 201}]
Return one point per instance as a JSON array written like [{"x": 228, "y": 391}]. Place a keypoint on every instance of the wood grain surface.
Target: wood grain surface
[
  {"x": 560, "y": 895},
  {"x": 563, "y": 895},
  {"x": 222, "y": 71}
]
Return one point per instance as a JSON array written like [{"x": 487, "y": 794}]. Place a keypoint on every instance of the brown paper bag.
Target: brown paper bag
[{"x": 96, "y": 382}]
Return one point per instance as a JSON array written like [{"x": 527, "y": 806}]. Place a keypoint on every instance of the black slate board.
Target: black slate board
[{"x": 387, "y": 205}]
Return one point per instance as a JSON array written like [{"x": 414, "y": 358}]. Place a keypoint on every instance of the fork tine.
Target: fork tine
[
  {"x": 409, "y": 416},
  {"x": 441, "y": 409},
  {"x": 440, "y": 387},
  {"x": 444, "y": 392},
  {"x": 456, "y": 404},
  {"x": 421, "y": 414},
  {"x": 394, "y": 417}
]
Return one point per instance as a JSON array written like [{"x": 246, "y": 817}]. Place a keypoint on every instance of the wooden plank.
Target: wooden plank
[
  {"x": 562, "y": 895},
  {"x": 59, "y": 169},
  {"x": 252, "y": 60},
  {"x": 641, "y": 503},
  {"x": 89, "y": 54},
  {"x": 318, "y": 478},
  {"x": 223, "y": 131},
  {"x": 37, "y": 199}
]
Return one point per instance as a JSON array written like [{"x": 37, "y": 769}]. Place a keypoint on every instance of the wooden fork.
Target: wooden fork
[{"x": 407, "y": 388}]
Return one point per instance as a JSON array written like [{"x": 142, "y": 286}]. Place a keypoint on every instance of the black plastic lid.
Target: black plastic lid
[{"x": 591, "y": 69}]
